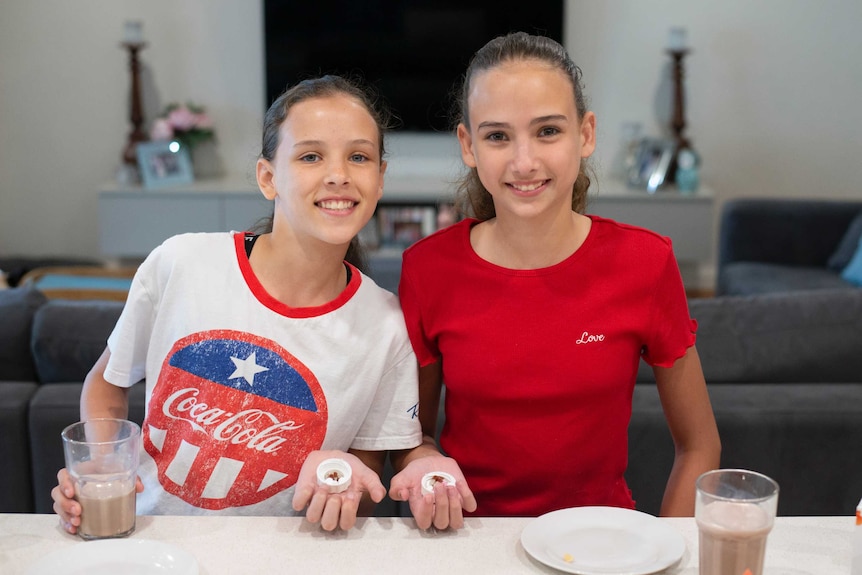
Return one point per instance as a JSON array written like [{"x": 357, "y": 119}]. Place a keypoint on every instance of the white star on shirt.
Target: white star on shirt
[{"x": 247, "y": 368}]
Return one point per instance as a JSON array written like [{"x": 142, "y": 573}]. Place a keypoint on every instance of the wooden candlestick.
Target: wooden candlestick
[
  {"x": 678, "y": 119},
  {"x": 136, "y": 114},
  {"x": 677, "y": 124}
]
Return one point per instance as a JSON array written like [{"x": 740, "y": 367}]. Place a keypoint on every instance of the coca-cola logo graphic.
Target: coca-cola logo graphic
[{"x": 231, "y": 419}]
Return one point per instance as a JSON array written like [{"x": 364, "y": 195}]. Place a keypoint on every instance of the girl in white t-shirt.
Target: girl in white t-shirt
[{"x": 264, "y": 355}]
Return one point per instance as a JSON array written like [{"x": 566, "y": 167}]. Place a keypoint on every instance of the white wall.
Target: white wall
[
  {"x": 772, "y": 88},
  {"x": 64, "y": 93}
]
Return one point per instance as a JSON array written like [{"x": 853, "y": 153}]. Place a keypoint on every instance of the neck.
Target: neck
[
  {"x": 530, "y": 243},
  {"x": 299, "y": 275}
]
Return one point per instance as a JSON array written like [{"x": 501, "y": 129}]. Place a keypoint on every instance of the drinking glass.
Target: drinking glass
[
  {"x": 102, "y": 458},
  {"x": 735, "y": 510}
]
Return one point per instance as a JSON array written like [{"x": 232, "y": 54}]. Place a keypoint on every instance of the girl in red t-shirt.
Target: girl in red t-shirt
[{"x": 536, "y": 316}]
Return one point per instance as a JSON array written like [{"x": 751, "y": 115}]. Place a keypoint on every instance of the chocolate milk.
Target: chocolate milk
[
  {"x": 107, "y": 509},
  {"x": 733, "y": 538}
]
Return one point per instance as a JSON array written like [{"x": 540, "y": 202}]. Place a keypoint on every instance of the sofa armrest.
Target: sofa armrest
[
  {"x": 16, "y": 496},
  {"x": 781, "y": 231}
]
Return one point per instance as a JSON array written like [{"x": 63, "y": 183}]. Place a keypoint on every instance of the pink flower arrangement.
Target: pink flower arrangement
[{"x": 187, "y": 123}]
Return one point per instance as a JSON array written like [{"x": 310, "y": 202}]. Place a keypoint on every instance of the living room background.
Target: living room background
[{"x": 771, "y": 97}]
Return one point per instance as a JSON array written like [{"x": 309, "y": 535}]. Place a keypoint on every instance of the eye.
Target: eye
[
  {"x": 496, "y": 137},
  {"x": 549, "y": 131},
  {"x": 309, "y": 158},
  {"x": 358, "y": 158}
]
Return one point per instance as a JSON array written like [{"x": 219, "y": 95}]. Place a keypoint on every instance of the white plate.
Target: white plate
[
  {"x": 114, "y": 556},
  {"x": 603, "y": 541}
]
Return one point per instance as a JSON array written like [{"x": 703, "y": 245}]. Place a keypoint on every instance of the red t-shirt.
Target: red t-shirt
[{"x": 540, "y": 365}]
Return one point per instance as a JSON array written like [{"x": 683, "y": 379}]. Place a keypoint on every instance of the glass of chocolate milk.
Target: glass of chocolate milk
[
  {"x": 102, "y": 458},
  {"x": 734, "y": 510}
]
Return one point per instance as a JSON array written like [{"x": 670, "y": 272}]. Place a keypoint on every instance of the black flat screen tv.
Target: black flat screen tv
[{"x": 413, "y": 52}]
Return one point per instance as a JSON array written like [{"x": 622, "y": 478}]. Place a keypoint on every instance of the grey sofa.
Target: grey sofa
[
  {"x": 49, "y": 346},
  {"x": 784, "y": 374},
  {"x": 776, "y": 245}
]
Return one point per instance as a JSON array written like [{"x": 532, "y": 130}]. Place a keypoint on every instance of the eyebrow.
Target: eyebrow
[
  {"x": 357, "y": 142},
  {"x": 539, "y": 120}
]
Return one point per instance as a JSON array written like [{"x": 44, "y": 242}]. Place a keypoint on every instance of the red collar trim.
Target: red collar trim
[{"x": 295, "y": 312}]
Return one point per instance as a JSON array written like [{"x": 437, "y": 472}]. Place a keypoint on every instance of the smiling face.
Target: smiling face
[
  {"x": 525, "y": 137},
  {"x": 327, "y": 173}
]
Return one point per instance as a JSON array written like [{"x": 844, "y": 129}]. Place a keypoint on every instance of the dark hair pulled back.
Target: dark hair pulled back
[
  {"x": 324, "y": 86},
  {"x": 471, "y": 196}
]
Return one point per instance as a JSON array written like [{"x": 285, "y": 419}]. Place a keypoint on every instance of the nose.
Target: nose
[
  {"x": 524, "y": 158},
  {"x": 337, "y": 175}
]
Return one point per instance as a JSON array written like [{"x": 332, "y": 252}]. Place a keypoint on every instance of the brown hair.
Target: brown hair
[
  {"x": 471, "y": 196},
  {"x": 320, "y": 88}
]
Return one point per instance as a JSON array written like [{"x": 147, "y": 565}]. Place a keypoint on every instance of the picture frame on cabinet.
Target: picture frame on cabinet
[
  {"x": 652, "y": 163},
  {"x": 402, "y": 226},
  {"x": 164, "y": 164}
]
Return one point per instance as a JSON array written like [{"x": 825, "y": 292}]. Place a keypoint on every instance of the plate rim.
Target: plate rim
[
  {"x": 653, "y": 521},
  {"x": 83, "y": 551}
]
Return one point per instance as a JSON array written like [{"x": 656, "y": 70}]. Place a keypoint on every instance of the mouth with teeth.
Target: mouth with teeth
[
  {"x": 336, "y": 205},
  {"x": 528, "y": 188}
]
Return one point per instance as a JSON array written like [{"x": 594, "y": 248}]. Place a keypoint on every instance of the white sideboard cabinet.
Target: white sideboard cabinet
[{"x": 133, "y": 221}]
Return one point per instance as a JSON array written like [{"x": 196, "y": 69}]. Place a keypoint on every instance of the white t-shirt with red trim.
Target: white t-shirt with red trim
[{"x": 240, "y": 388}]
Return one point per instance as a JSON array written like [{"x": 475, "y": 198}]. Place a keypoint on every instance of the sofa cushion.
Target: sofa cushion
[
  {"x": 15, "y": 495},
  {"x": 69, "y": 336},
  {"x": 17, "y": 307},
  {"x": 749, "y": 278},
  {"x": 847, "y": 246},
  {"x": 799, "y": 434},
  {"x": 801, "y": 336},
  {"x": 853, "y": 272}
]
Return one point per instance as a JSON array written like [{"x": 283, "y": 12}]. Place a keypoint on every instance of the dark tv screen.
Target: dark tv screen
[{"x": 413, "y": 53}]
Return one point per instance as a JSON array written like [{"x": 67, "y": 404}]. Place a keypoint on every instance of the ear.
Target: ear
[
  {"x": 466, "y": 141},
  {"x": 588, "y": 135},
  {"x": 266, "y": 179},
  {"x": 383, "y": 166}
]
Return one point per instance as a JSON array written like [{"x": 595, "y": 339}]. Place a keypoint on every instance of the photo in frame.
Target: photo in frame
[
  {"x": 402, "y": 226},
  {"x": 652, "y": 163},
  {"x": 164, "y": 164}
]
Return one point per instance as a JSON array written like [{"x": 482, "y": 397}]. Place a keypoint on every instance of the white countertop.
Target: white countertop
[{"x": 240, "y": 545}]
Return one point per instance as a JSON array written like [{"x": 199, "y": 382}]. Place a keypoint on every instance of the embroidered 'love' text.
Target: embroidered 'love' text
[{"x": 588, "y": 338}]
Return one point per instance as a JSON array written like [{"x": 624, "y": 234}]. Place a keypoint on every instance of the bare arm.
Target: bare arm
[
  {"x": 686, "y": 405},
  {"x": 444, "y": 508},
  {"x": 430, "y": 388},
  {"x": 99, "y": 398}
]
